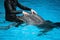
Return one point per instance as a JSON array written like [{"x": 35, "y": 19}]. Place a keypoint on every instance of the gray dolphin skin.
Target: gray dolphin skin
[{"x": 32, "y": 19}]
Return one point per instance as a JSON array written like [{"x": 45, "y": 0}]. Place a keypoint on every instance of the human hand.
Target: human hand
[
  {"x": 33, "y": 11},
  {"x": 25, "y": 13}
]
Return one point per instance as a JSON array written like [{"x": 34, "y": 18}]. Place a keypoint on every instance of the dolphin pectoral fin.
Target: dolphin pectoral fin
[{"x": 21, "y": 18}]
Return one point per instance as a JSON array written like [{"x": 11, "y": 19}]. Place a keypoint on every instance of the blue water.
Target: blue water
[{"x": 47, "y": 9}]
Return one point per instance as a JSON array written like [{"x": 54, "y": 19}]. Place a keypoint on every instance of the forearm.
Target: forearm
[
  {"x": 23, "y": 7},
  {"x": 16, "y": 12}
]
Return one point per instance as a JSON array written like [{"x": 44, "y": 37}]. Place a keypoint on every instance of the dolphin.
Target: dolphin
[{"x": 39, "y": 22}]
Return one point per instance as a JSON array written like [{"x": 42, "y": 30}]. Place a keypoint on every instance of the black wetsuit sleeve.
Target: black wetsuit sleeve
[
  {"x": 11, "y": 10},
  {"x": 16, "y": 12},
  {"x": 23, "y": 7}
]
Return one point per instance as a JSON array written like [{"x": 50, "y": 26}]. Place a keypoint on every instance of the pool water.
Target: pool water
[{"x": 47, "y": 9}]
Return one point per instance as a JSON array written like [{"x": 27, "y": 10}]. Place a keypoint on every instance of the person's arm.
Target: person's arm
[
  {"x": 11, "y": 10},
  {"x": 23, "y": 7}
]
